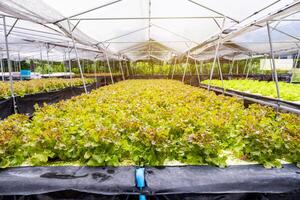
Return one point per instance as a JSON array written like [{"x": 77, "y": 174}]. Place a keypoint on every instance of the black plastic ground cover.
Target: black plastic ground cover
[
  {"x": 213, "y": 180},
  {"x": 43, "y": 180},
  {"x": 164, "y": 183},
  {"x": 26, "y": 104},
  {"x": 6, "y": 107},
  {"x": 71, "y": 195}
]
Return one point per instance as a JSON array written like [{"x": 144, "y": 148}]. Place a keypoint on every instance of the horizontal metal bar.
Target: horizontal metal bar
[
  {"x": 284, "y": 20},
  {"x": 137, "y": 42},
  {"x": 28, "y": 29},
  {"x": 87, "y": 11},
  {"x": 212, "y": 10},
  {"x": 35, "y": 36},
  {"x": 287, "y": 42},
  {"x": 142, "y": 18},
  {"x": 148, "y": 51}
]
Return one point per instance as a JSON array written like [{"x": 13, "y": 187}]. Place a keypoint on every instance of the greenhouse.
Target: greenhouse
[{"x": 150, "y": 99}]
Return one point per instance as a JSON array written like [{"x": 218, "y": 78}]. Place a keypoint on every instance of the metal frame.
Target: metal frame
[
  {"x": 295, "y": 66},
  {"x": 2, "y": 70},
  {"x": 78, "y": 61},
  {"x": 219, "y": 15},
  {"x": 186, "y": 66},
  {"x": 197, "y": 71},
  {"x": 216, "y": 55},
  {"x": 11, "y": 83},
  {"x": 121, "y": 69},
  {"x": 274, "y": 66}
]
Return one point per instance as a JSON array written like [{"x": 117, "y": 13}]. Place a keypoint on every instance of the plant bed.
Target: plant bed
[
  {"x": 288, "y": 92},
  {"x": 26, "y": 103},
  {"x": 22, "y": 88},
  {"x": 150, "y": 123},
  {"x": 248, "y": 98}
]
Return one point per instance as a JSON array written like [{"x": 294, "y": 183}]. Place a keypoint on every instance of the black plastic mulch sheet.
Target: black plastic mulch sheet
[
  {"x": 212, "y": 180},
  {"x": 248, "y": 182},
  {"x": 43, "y": 180},
  {"x": 72, "y": 195},
  {"x": 26, "y": 103},
  {"x": 6, "y": 107}
]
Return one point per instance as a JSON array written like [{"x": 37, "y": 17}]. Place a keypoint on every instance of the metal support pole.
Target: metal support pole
[
  {"x": 108, "y": 64},
  {"x": 19, "y": 61},
  {"x": 246, "y": 63},
  {"x": 9, "y": 67},
  {"x": 201, "y": 67},
  {"x": 95, "y": 72},
  {"x": 48, "y": 62},
  {"x": 250, "y": 66},
  {"x": 69, "y": 63},
  {"x": 273, "y": 66},
  {"x": 2, "y": 70},
  {"x": 78, "y": 61},
  {"x": 231, "y": 67},
  {"x": 295, "y": 66},
  {"x": 132, "y": 72},
  {"x": 64, "y": 63},
  {"x": 121, "y": 68},
  {"x": 197, "y": 71},
  {"x": 41, "y": 57},
  {"x": 221, "y": 74},
  {"x": 216, "y": 55},
  {"x": 128, "y": 74},
  {"x": 186, "y": 65},
  {"x": 174, "y": 67}
]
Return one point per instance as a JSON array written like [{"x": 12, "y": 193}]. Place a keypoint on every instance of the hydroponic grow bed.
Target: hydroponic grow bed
[
  {"x": 150, "y": 122},
  {"x": 288, "y": 92}
]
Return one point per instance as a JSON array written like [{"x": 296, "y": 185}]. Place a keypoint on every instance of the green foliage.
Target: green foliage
[
  {"x": 149, "y": 122},
  {"x": 288, "y": 91},
  {"x": 22, "y": 88}
]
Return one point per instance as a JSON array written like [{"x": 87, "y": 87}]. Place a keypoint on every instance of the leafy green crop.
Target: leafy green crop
[
  {"x": 22, "y": 88},
  {"x": 289, "y": 92},
  {"x": 149, "y": 122}
]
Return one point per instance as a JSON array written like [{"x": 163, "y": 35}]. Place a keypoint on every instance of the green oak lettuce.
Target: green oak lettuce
[{"x": 149, "y": 122}]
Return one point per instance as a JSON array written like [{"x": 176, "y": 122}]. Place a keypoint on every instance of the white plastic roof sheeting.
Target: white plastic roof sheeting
[
  {"x": 141, "y": 29},
  {"x": 254, "y": 36}
]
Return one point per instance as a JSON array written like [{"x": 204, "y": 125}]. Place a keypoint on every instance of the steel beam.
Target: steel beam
[
  {"x": 212, "y": 10},
  {"x": 274, "y": 66},
  {"x": 142, "y": 18},
  {"x": 87, "y": 11},
  {"x": 78, "y": 61},
  {"x": 216, "y": 55},
  {"x": 11, "y": 84},
  {"x": 12, "y": 27},
  {"x": 174, "y": 67},
  {"x": 2, "y": 70}
]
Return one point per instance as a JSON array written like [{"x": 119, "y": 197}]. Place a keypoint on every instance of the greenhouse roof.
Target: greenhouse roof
[{"x": 143, "y": 29}]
